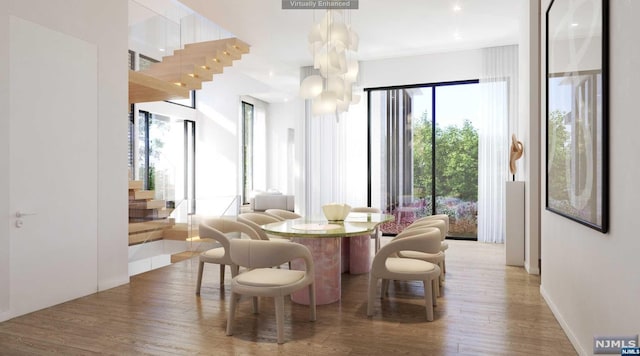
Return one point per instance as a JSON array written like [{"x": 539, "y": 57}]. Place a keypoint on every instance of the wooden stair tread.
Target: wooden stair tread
[
  {"x": 151, "y": 225},
  {"x": 185, "y": 70},
  {"x": 147, "y": 204},
  {"x": 144, "y": 88},
  {"x": 141, "y": 194},
  {"x": 135, "y": 184},
  {"x": 147, "y": 236},
  {"x": 148, "y": 214}
]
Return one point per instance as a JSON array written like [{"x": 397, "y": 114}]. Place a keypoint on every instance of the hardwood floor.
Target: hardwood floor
[{"x": 486, "y": 309}]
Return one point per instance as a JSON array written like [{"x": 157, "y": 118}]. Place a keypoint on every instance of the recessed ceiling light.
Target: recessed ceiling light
[
  {"x": 574, "y": 24},
  {"x": 271, "y": 73},
  {"x": 161, "y": 49},
  {"x": 457, "y": 8}
]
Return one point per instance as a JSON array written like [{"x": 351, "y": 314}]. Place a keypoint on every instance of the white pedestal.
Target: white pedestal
[{"x": 514, "y": 224}]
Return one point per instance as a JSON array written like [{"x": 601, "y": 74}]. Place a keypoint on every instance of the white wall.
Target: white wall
[
  {"x": 282, "y": 171},
  {"x": 103, "y": 23},
  {"x": 528, "y": 130},
  {"x": 591, "y": 280},
  {"x": 5, "y": 263},
  {"x": 219, "y": 133},
  {"x": 429, "y": 68}
]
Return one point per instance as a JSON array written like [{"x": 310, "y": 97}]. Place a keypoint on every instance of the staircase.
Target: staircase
[
  {"x": 149, "y": 218},
  {"x": 147, "y": 215},
  {"x": 185, "y": 70}
]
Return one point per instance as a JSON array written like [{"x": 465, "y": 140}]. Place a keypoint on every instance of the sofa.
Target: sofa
[{"x": 264, "y": 201}]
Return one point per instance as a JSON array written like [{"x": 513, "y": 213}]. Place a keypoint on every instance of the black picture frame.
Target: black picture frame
[{"x": 577, "y": 88}]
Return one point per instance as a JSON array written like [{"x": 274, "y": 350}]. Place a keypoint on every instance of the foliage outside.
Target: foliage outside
[{"x": 456, "y": 175}]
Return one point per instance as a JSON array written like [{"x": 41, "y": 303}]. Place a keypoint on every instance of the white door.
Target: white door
[{"x": 53, "y": 167}]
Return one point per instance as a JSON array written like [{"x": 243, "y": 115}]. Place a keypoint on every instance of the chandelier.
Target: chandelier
[{"x": 333, "y": 44}]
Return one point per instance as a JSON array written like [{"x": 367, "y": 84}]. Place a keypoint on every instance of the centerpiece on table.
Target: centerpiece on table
[{"x": 335, "y": 212}]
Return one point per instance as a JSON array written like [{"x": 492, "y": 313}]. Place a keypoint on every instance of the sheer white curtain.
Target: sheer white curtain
[
  {"x": 498, "y": 117},
  {"x": 325, "y": 156}
]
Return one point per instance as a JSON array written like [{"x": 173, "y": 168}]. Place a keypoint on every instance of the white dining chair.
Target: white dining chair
[
  {"x": 387, "y": 267},
  {"x": 260, "y": 280},
  {"x": 255, "y": 220},
  {"x": 283, "y": 214},
  {"x": 218, "y": 229},
  {"x": 376, "y": 233}
]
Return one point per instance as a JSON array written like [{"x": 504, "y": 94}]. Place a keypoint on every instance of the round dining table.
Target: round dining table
[{"x": 336, "y": 247}]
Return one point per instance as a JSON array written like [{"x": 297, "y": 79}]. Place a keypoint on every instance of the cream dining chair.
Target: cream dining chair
[
  {"x": 217, "y": 229},
  {"x": 444, "y": 245},
  {"x": 256, "y": 219},
  {"x": 283, "y": 214},
  {"x": 376, "y": 233},
  {"x": 436, "y": 256},
  {"x": 387, "y": 267},
  {"x": 262, "y": 281},
  {"x": 442, "y": 217},
  {"x": 441, "y": 224}
]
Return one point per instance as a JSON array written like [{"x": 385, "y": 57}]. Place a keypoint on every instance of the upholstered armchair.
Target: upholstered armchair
[
  {"x": 262, "y": 281},
  {"x": 218, "y": 229},
  {"x": 282, "y": 214},
  {"x": 387, "y": 267},
  {"x": 376, "y": 233},
  {"x": 264, "y": 201}
]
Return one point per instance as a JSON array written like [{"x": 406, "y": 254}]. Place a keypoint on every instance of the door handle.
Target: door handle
[{"x": 20, "y": 214}]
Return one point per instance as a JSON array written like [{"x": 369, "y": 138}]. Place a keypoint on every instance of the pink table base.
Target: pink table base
[
  {"x": 326, "y": 258},
  {"x": 344, "y": 261},
  {"x": 359, "y": 254},
  {"x": 332, "y": 257}
]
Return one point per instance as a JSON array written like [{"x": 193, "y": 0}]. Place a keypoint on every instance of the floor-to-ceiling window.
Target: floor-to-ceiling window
[
  {"x": 247, "y": 151},
  {"x": 162, "y": 155},
  {"x": 424, "y": 154}
]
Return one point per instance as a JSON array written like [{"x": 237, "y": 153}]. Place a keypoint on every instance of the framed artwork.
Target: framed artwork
[{"x": 577, "y": 111}]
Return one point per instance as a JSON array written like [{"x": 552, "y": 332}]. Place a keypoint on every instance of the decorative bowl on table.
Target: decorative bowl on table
[{"x": 336, "y": 212}]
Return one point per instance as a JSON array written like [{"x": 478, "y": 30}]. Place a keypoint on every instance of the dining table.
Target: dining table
[{"x": 336, "y": 247}]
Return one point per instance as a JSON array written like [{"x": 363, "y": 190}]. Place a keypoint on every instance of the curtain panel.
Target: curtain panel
[{"x": 498, "y": 117}]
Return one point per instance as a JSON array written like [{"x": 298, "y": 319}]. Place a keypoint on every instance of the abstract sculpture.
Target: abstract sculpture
[{"x": 514, "y": 154}]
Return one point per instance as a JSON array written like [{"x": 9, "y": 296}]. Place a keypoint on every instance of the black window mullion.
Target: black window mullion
[{"x": 433, "y": 150}]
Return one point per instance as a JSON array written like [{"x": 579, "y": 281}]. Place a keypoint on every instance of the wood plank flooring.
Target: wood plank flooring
[{"x": 486, "y": 309}]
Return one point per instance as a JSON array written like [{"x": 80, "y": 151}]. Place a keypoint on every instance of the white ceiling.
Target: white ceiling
[{"x": 387, "y": 29}]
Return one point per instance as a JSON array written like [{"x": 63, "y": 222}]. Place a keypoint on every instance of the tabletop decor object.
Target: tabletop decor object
[{"x": 335, "y": 211}]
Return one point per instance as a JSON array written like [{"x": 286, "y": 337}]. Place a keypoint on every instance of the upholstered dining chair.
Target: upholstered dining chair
[
  {"x": 387, "y": 267},
  {"x": 283, "y": 214},
  {"x": 442, "y": 225},
  {"x": 434, "y": 256},
  {"x": 256, "y": 219},
  {"x": 262, "y": 281},
  {"x": 217, "y": 228},
  {"x": 443, "y": 217},
  {"x": 376, "y": 233}
]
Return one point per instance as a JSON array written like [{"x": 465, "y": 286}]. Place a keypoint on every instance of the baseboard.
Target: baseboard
[
  {"x": 565, "y": 327},
  {"x": 148, "y": 264},
  {"x": 531, "y": 270},
  {"x": 5, "y": 315},
  {"x": 104, "y": 285}
]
